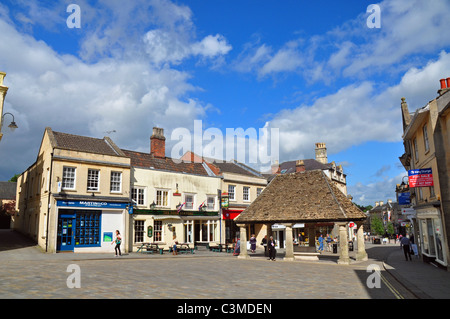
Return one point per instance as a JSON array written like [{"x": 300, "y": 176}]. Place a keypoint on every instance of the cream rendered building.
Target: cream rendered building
[
  {"x": 172, "y": 198},
  {"x": 75, "y": 196}
]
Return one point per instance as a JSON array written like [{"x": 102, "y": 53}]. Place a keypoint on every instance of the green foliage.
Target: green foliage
[{"x": 376, "y": 226}]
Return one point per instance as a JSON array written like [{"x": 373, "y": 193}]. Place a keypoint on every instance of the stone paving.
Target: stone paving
[{"x": 26, "y": 272}]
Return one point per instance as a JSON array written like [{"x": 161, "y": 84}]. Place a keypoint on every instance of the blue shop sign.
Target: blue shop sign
[
  {"x": 404, "y": 198},
  {"x": 90, "y": 204}
]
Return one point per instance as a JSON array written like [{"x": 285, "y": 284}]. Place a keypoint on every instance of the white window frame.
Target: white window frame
[
  {"x": 111, "y": 182},
  {"x": 93, "y": 180},
  {"x": 210, "y": 206},
  {"x": 233, "y": 192},
  {"x": 65, "y": 178},
  {"x": 246, "y": 193},
  {"x": 158, "y": 231},
  {"x": 139, "y": 223},
  {"x": 138, "y": 193},
  {"x": 193, "y": 201},
  {"x": 166, "y": 197}
]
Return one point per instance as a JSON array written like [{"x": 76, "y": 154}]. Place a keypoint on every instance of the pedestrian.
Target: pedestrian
[
  {"x": 405, "y": 243},
  {"x": 253, "y": 243},
  {"x": 329, "y": 243},
  {"x": 174, "y": 245},
  {"x": 320, "y": 243},
  {"x": 264, "y": 244},
  {"x": 117, "y": 241},
  {"x": 271, "y": 247}
]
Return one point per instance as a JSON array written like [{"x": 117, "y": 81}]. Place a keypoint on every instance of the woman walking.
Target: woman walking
[
  {"x": 253, "y": 243},
  {"x": 117, "y": 241}
]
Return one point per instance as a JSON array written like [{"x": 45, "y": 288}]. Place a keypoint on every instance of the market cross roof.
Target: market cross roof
[{"x": 301, "y": 197}]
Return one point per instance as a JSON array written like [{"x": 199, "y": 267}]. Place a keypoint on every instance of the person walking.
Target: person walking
[
  {"x": 117, "y": 241},
  {"x": 253, "y": 243},
  {"x": 264, "y": 244},
  {"x": 405, "y": 242},
  {"x": 271, "y": 248},
  {"x": 174, "y": 245},
  {"x": 320, "y": 243}
]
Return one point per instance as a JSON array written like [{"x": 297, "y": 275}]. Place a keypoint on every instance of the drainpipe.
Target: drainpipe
[{"x": 48, "y": 203}]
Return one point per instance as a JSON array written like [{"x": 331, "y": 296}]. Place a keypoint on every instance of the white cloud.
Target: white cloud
[
  {"x": 112, "y": 87},
  {"x": 356, "y": 114}
]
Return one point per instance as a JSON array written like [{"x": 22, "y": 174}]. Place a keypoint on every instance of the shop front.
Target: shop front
[
  {"x": 231, "y": 229},
  {"x": 431, "y": 234},
  {"x": 89, "y": 226}
]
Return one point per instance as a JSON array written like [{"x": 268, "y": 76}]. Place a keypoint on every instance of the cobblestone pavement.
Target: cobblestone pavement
[{"x": 25, "y": 272}]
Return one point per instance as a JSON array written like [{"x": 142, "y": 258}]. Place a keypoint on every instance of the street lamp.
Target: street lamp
[{"x": 12, "y": 126}]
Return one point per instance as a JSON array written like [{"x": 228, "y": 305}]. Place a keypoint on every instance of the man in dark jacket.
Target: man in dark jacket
[
  {"x": 406, "y": 247},
  {"x": 271, "y": 247}
]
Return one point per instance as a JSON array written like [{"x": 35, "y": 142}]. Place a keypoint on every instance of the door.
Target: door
[{"x": 65, "y": 240}]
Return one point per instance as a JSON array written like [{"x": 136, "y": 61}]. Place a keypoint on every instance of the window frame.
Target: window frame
[
  {"x": 65, "y": 178},
  {"x": 95, "y": 181},
  {"x": 113, "y": 182},
  {"x": 233, "y": 198}
]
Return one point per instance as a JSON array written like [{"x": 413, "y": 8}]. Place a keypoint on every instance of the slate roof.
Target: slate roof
[
  {"x": 104, "y": 146},
  {"x": 237, "y": 168},
  {"x": 301, "y": 197},
  {"x": 8, "y": 190},
  {"x": 146, "y": 160}
]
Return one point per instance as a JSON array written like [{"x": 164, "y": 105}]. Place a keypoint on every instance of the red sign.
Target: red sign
[
  {"x": 351, "y": 224},
  {"x": 420, "y": 177}
]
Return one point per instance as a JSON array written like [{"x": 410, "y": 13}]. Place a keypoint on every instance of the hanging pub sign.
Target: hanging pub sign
[
  {"x": 224, "y": 201},
  {"x": 150, "y": 231},
  {"x": 420, "y": 177}
]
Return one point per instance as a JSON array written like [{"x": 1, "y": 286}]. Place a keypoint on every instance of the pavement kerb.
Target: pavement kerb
[{"x": 418, "y": 293}]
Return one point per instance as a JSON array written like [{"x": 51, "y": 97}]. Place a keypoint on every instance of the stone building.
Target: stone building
[
  {"x": 426, "y": 143},
  {"x": 75, "y": 195}
]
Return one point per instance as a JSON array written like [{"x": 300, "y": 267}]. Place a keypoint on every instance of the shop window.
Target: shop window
[
  {"x": 139, "y": 231},
  {"x": 157, "y": 230},
  {"x": 87, "y": 229}
]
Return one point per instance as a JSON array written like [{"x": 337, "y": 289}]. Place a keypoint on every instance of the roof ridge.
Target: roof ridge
[{"x": 332, "y": 194}]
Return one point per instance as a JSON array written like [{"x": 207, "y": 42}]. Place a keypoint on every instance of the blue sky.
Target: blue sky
[{"x": 313, "y": 70}]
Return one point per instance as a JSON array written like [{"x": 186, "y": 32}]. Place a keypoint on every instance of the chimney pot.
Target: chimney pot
[
  {"x": 448, "y": 83},
  {"x": 443, "y": 86}
]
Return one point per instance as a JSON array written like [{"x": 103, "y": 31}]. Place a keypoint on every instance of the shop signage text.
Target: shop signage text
[
  {"x": 91, "y": 204},
  {"x": 420, "y": 177}
]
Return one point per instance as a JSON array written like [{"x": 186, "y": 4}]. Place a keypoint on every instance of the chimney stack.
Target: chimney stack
[
  {"x": 445, "y": 86},
  {"x": 321, "y": 153},
  {"x": 158, "y": 143},
  {"x": 275, "y": 167},
  {"x": 299, "y": 166}
]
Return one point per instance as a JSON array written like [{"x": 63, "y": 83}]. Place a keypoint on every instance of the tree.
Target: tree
[
  {"x": 14, "y": 178},
  {"x": 376, "y": 226}
]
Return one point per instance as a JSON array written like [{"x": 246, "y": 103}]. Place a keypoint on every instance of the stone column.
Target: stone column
[
  {"x": 311, "y": 229},
  {"x": 361, "y": 254},
  {"x": 343, "y": 243},
  {"x": 243, "y": 235},
  {"x": 289, "y": 243}
]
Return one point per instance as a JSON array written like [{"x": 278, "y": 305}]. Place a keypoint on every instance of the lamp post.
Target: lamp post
[{"x": 3, "y": 90}]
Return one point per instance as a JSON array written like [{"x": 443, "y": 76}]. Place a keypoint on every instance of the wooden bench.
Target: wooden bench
[
  {"x": 149, "y": 248},
  {"x": 305, "y": 253}
]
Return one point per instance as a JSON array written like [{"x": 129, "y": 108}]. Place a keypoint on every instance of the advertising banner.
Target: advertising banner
[{"x": 420, "y": 177}]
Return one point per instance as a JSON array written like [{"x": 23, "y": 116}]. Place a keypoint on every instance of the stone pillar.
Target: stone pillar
[
  {"x": 361, "y": 254},
  {"x": 289, "y": 243},
  {"x": 343, "y": 243},
  {"x": 311, "y": 229},
  {"x": 243, "y": 235}
]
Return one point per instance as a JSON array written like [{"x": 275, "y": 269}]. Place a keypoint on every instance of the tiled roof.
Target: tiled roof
[
  {"x": 8, "y": 190},
  {"x": 237, "y": 168},
  {"x": 301, "y": 197},
  {"x": 146, "y": 160},
  {"x": 85, "y": 144}
]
